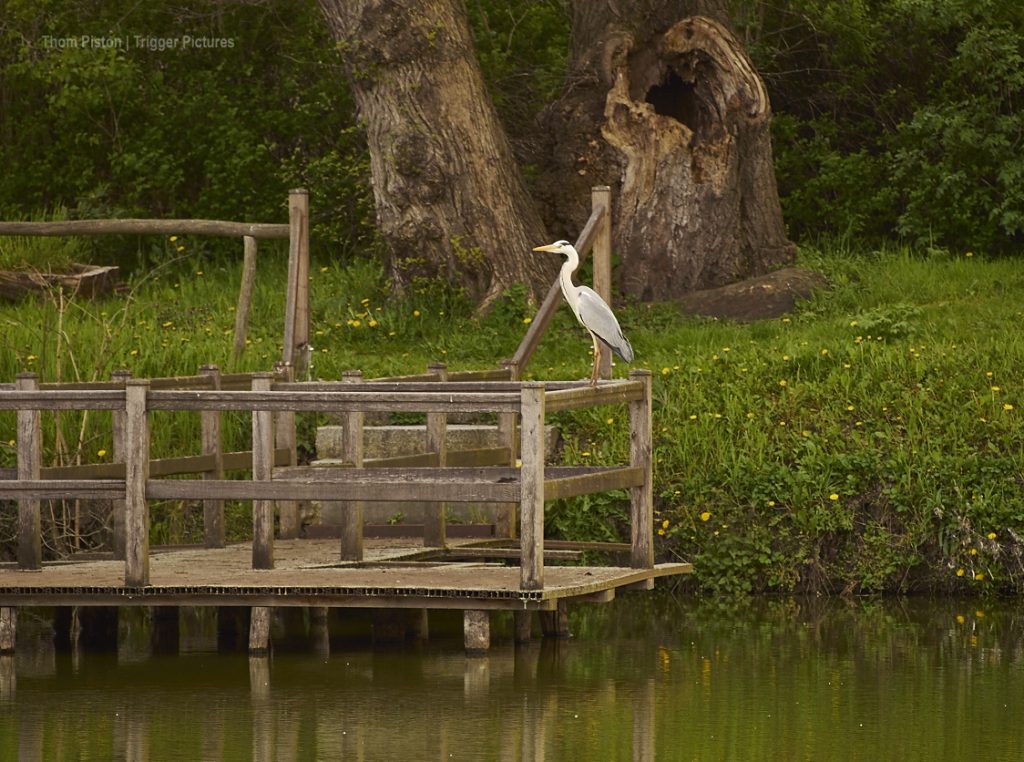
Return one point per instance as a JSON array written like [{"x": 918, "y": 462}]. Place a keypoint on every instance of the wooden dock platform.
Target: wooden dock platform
[{"x": 393, "y": 574}]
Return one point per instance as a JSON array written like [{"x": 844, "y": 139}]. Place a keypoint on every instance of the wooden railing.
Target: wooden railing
[
  {"x": 273, "y": 404},
  {"x": 296, "y": 327}
]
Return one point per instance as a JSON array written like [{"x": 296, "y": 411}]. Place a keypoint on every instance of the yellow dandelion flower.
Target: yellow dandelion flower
[
  {"x": 968, "y": 254},
  {"x": 834, "y": 497},
  {"x": 665, "y": 371},
  {"x": 705, "y": 516},
  {"x": 102, "y": 453},
  {"x": 991, "y": 535},
  {"x": 783, "y": 382},
  {"x": 661, "y": 532},
  {"x": 372, "y": 323},
  {"x": 527, "y": 320},
  {"x": 974, "y": 551},
  {"x": 960, "y": 619},
  {"x": 1007, "y": 406},
  {"x": 664, "y": 524},
  {"x": 979, "y": 576},
  {"x": 610, "y": 421},
  {"x": 959, "y": 572},
  {"x": 415, "y": 313},
  {"x": 180, "y": 248},
  {"x": 585, "y": 454},
  {"x": 173, "y": 238}
]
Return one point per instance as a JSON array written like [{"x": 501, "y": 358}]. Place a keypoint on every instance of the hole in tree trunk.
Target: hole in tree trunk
[{"x": 676, "y": 98}]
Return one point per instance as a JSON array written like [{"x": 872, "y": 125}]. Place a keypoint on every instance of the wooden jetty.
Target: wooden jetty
[{"x": 279, "y": 568}]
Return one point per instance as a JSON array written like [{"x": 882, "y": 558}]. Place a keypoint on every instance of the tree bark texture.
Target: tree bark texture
[
  {"x": 669, "y": 112},
  {"x": 449, "y": 197}
]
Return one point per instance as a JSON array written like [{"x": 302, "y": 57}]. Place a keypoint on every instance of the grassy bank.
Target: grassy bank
[{"x": 868, "y": 442}]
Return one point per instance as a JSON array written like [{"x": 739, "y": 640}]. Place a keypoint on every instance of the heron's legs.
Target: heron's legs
[{"x": 597, "y": 361}]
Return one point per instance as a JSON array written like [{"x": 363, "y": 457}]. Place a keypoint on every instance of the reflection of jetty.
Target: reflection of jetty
[{"x": 281, "y": 570}]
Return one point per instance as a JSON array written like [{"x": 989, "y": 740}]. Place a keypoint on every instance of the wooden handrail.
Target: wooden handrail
[{"x": 135, "y": 226}]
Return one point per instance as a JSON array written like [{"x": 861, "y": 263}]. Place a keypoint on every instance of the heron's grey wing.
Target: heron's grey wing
[{"x": 598, "y": 318}]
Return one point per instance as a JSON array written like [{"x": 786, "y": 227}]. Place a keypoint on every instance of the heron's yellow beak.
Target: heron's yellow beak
[{"x": 549, "y": 247}]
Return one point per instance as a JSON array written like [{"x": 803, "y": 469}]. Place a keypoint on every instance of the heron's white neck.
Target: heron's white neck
[{"x": 572, "y": 261}]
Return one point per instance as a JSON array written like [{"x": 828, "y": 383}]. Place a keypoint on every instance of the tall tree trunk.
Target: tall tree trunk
[
  {"x": 449, "y": 196},
  {"x": 669, "y": 111}
]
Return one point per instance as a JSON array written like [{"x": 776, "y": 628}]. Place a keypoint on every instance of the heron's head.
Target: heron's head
[{"x": 558, "y": 247}]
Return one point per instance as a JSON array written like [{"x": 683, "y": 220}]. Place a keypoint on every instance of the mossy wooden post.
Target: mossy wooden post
[
  {"x": 437, "y": 435},
  {"x": 352, "y": 452},
  {"x": 30, "y": 461},
  {"x": 641, "y": 497},
  {"x": 262, "y": 463},
  {"x": 288, "y": 513},
  {"x": 476, "y": 631},
  {"x": 601, "y": 195},
  {"x": 245, "y": 293},
  {"x": 531, "y": 501},
  {"x": 259, "y": 630},
  {"x": 8, "y": 629},
  {"x": 212, "y": 445},
  {"x": 296, "y": 318},
  {"x": 118, "y": 417},
  {"x": 136, "y": 550}
]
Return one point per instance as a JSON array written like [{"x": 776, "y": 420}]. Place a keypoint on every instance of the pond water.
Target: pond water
[{"x": 646, "y": 677}]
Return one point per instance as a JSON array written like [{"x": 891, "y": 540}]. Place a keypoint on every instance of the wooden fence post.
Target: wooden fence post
[
  {"x": 285, "y": 438},
  {"x": 352, "y": 452},
  {"x": 505, "y": 513},
  {"x": 437, "y": 435},
  {"x": 262, "y": 463},
  {"x": 641, "y": 497},
  {"x": 136, "y": 556},
  {"x": 602, "y": 256},
  {"x": 245, "y": 293},
  {"x": 296, "y": 319},
  {"x": 210, "y": 431},
  {"x": 120, "y": 448},
  {"x": 30, "y": 461},
  {"x": 531, "y": 501}
]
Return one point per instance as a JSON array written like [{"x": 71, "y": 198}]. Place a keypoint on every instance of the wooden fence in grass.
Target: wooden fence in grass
[
  {"x": 273, "y": 402},
  {"x": 296, "y": 324}
]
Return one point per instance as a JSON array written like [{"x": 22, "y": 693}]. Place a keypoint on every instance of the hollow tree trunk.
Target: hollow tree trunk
[
  {"x": 670, "y": 112},
  {"x": 450, "y": 200}
]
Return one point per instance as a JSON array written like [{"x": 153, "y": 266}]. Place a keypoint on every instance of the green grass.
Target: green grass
[{"x": 871, "y": 441}]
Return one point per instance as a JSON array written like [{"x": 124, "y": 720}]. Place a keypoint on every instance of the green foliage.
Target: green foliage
[{"x": 896, "y": 117}]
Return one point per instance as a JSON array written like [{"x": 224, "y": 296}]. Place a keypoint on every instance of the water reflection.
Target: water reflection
[{"x": 645, "y": 678}]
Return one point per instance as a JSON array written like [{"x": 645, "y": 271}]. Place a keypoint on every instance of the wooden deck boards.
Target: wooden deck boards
[{"x": 308, "y": 573}]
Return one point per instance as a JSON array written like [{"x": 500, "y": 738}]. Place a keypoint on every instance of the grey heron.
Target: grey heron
[{"x": 589, "y": 308}]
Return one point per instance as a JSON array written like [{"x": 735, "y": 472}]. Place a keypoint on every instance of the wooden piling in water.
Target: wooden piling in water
[
  {"x": 259, "y": 631},
  {"x": 642, "y": 496},
  {"x": 476, "y": 627},
  {"x": 8, "y": 629}
]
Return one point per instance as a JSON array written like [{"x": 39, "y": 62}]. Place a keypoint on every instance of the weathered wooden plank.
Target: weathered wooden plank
[
  {"x": 436, "y": 433},
  {"x": 136, "y": 226},
  {"x": 262, "y": 459},
  {"x": 352, "y": 451},
  {"x": 642, "y": 495},
  {"x": 333, "y": 401},
  {"x": 136, "y": 436},
  {"x": 490, "y": 374},
  {"x": 22, "y": 399},
  {"x": 531, "y": 499},
  {"x": 511, "y": 553},
  {"x": 212, "y": 447},
  {"x": 47, "y": 489},
  {"x": 605, "y": 393},
  {"x": 601, "y": 197},
  {"x": 30, "y": 458},
  {"x": 245, "y": 294},
  {"x": 120, "y": 449},
  {"x": 185, "y": 464},
  {"x": 588, "y": 483},
  {"x": 379, "y": 485},
  {"x": 286, "y": 438}
]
